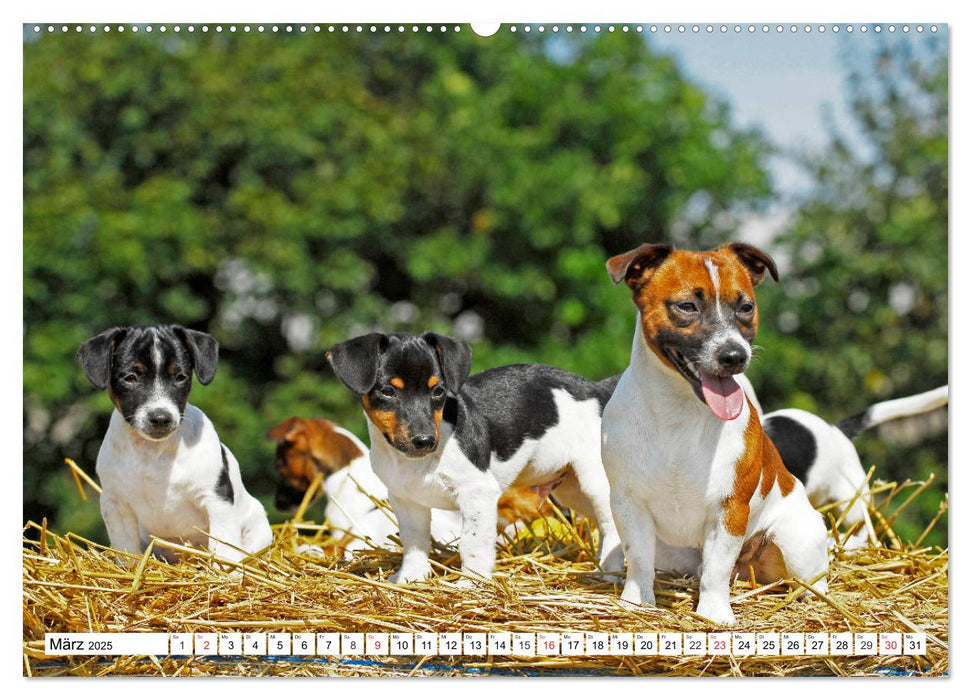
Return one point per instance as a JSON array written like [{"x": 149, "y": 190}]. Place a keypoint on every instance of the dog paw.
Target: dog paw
[
  {"x": 635, "y": 596},
  {"x": 311, "y": 550},
  {"x": 613, "y": 563},
  {"x": 629, "y": 606},
  {"x": 718, "y": 612},
  {"x": 402, "y": 576},
  {"x": 857, "y": 541}
]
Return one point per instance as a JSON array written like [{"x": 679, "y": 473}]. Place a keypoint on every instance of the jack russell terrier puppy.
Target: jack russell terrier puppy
[
  {"x": 442, "y": 439},
  {"x": 823, "y": 458},
  {"x": 308, "y": 446},
  {"x": 688, "y": 462},
  {"x": 162, "y": 468}
]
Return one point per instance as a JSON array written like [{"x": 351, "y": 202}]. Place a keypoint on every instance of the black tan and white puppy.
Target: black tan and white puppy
[
  {"x": 688, "y": 462},
  {"x": 308, "y": 446},
  {"x": 442, "y": 439},
  {"x": 823, "y": 457},
  {"x": 163, "y": 470}
]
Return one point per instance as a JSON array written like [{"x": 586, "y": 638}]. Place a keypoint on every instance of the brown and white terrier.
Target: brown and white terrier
[{"x": 688, "y": 462}]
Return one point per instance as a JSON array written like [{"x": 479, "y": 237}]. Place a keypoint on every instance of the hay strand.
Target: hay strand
[{"x": 80, "y": 474}]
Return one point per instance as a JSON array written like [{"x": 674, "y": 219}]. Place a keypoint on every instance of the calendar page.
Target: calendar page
[{"x": 556, "y": 349}]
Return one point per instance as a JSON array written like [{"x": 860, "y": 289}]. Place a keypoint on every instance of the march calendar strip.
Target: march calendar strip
[{"x": 484, "y": 644}]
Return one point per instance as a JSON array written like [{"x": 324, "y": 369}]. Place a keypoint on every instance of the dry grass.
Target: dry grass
[{"x": 545, "y": 581}]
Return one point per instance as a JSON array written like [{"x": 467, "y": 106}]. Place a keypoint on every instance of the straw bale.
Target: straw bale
[{"x": 546, "y": 580}]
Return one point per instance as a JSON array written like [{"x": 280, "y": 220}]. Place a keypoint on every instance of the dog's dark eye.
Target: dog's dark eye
[
  {"x": 438, "y": 391},
  {"x": 130, "y": 378},
  {"x": 181, "y": 377},
  {"x": 387, "y": 392},
  {"x": 746, "y": 308},
  {"x": 687, "y": 307}
]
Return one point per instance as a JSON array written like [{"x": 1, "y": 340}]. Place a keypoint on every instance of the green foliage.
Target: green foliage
[
  {"x": 861, "y": 314},
  {"x": 247, "y": 185},
  {"x": 287, "y": 192}
]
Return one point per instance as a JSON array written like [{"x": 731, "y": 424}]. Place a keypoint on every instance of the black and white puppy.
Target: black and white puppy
[
  {"x": 163, "y": 470},
  {"x": 442, "y": 439},
  {"x": 823, "y": 457}
]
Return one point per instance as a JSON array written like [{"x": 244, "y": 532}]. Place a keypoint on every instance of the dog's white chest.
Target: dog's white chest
[
  {"x": 159, "y": 482},
  {"x": 421, "y": 480},
  {"x": 435, "y": 481},
  {"x": 683, "y": 484},
  {"x": 674, "y": 463}
]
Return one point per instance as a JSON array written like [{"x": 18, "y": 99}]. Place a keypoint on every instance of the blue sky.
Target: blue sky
[
  {"x": 781, "y": 82},
  {"x": 778, "y": 82}
]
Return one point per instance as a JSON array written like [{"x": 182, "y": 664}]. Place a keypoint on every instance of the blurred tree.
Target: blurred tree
[
  {"x": 861, "y": 314},
  {"x": 287, "y": 192}
]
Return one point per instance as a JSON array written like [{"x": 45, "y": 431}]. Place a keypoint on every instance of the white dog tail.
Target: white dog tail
[{"x": 890, "y": 410}]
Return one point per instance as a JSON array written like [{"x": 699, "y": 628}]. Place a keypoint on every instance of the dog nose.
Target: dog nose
[
  {"x": 423, "y": 442},
  {"x": 160, "y": 418},
  {"x": 732, "y": 358}
]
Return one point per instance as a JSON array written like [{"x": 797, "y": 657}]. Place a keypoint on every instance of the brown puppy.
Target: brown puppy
[{"x": 306, "y": 447}]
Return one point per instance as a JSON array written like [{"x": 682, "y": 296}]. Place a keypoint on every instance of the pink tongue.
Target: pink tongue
[{"x": 723, "y": 395}]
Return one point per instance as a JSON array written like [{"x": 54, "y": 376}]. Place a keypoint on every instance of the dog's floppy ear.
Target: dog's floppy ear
[
  {"x": 755, "y": 261},
  {"x": 632, "y": 265},
  {"x": 204, "y": 351},
  {"x": 94, "y": 356},
  {"x": 454, "y": 357},
  {"x": 355, "y": 361},
  {"x": 278, "y": 433}
]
